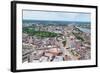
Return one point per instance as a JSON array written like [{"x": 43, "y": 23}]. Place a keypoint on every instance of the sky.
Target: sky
[{"x": 56, "y": 16}]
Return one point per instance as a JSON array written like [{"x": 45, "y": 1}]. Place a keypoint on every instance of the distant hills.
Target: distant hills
[{"x": 58, "y": 23}]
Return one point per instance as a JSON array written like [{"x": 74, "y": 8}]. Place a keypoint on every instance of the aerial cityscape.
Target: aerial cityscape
[{"x": 55, "y": 36}]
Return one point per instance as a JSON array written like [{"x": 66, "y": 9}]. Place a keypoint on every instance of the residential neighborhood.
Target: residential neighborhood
[{"x": 54, "y": 43}]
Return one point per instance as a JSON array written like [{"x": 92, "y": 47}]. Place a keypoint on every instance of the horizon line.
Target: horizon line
[{"x": 56, "y": 20}]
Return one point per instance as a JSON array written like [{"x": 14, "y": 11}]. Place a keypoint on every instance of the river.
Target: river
[{"x": 84, "y": 29}]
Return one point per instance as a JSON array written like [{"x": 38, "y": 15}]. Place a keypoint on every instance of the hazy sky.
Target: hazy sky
[{"x": 56, "y": 16}]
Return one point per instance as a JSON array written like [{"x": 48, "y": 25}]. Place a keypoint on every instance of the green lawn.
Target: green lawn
[{"x": 32, "y": 32}]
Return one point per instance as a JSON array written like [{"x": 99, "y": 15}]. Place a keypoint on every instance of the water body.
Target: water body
[{"x": 84, "y": 30}]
